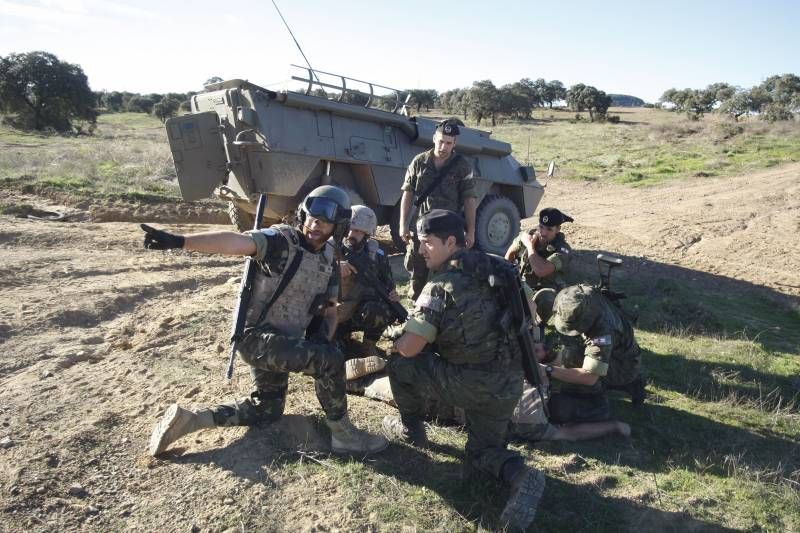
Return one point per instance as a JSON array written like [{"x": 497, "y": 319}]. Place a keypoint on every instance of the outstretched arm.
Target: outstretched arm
[{"x": 214, "y": 242}]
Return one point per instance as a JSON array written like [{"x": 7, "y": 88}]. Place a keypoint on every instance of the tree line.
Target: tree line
[
  {"x": 776, "y": 98},
  {"x": 39, "y": 92}
]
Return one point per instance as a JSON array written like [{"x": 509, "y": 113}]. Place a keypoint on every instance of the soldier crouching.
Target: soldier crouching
[
  {"x": 297, "y": 274},
  {"x": 477, "y": 367}
]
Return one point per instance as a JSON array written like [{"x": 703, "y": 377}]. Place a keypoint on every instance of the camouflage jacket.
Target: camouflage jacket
[
  {"x": 451, "y": 192},
  {"x": 557, "y": 252},
  {"x": 355, "y": 291},
  {"x": 459, "y": 313},
  {"x": 609, "y": 348}
]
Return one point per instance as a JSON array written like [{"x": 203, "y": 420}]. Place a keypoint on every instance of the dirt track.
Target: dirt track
[{"x": 99, "y": 335}]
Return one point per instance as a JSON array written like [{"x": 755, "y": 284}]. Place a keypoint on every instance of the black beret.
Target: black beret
[
  {"x": 448, "y": 127},
  {"x": 441, "y": 221},
  {"x": 551, "y": 216}
]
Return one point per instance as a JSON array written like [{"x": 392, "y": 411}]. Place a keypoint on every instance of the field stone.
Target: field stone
[
  {"x": 6, "y": 443},
  {"x": 228, "y": 501},
  {"x": 77, "y": 490}
]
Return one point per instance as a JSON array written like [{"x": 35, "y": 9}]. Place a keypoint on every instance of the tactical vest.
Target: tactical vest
[{"x": 291, "y": 312}]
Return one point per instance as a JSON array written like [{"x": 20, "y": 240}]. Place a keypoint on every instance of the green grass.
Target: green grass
[
  {"x": 128, "y": 158},
  {"x": 648, "y": 146}
]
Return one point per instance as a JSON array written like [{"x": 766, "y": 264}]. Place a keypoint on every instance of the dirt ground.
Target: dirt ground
[{"x": 98, "y": 336}]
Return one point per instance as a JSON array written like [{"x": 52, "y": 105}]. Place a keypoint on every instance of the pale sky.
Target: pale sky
[{"x": 632, "y": 47}]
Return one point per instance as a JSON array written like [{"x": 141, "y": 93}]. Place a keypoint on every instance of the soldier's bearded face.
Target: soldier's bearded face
[
  {"x": 317, "y": 231},
  {"x": 355, "y": 237},
  {"x": 435, "y": 251},
  {"x": 443, "y": 145}
]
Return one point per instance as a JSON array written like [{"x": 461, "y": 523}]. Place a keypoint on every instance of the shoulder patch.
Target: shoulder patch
[
  {"x": 603, "y": 340},
  {"x": 380, "y": 252},
  {"x": 269, "y": 232},
  {"x": 564, "y": 250},
  {"x": 429, "y": 302}
]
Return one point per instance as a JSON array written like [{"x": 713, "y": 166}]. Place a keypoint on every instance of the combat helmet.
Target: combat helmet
[
  {"x": 328, "y": 203},
  {"x": 364, "y": 219},
  {"x": 575, "y": 310}
]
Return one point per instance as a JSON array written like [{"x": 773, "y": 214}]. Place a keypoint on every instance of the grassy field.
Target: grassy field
[
  {"x": 127, "y": 158},
  {"x": 649, "y": 145},
  {"x": 716, "y": 446}
]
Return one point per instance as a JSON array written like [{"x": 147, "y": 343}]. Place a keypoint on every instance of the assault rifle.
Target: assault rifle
[
  {"x": 503, "y": 276},
  {"x": 245, "y": 291},
  {"x": 605, "y": 284},
  {"x": 364, "y": 273}
]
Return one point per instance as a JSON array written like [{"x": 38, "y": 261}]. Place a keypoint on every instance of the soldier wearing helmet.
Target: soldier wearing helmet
[
  {"x": 297, "y": 278},
  {"x": 610, "y": 358},
  {"x": 361, "y": 308}
]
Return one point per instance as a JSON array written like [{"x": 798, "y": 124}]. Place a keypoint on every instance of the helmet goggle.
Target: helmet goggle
[{"x": 324, "y": 209}]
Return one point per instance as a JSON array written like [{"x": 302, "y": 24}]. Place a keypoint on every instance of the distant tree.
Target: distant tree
[
  {"x": 783, "y": 97},
  {"x": 113, "y": 101},
  {"x": 212, "y": 79},
  {"x": 738, "y": 104},
  {"x": 484, "y": 101},
  {"x": 140, "y": 104},
  {"x": 45, "y": 92},
  {"x": 554, "y": 92},
  {"x": 582, "y": 97},
  {"x": 515, "y": 100},
  {"x": 424, "y": 97},
  {"x": 166, "y": 108}
]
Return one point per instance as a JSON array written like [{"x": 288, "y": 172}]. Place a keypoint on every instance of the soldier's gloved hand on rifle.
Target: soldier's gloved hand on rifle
[{"x": 156, "y": 239}]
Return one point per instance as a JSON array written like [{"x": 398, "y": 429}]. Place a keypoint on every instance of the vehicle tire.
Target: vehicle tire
[
  {"x": 496, "y": 224},
  {"x": 240, "y": 218},
  {"x": 394, "y": 229}
]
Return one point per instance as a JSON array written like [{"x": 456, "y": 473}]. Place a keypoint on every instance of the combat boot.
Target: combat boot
[
  {"x": 405, "y": 430},
  {"x": 347, "y": 439},
  {"x": 526, "y": 489},
  {"x": 636, "y": 391},
  {"x": 363, "y": 366},
  {"x": 176, "y": 423}
]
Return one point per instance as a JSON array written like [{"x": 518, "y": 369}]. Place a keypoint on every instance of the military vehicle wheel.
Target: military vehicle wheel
[
  {"x": 240, "y": 218},
  {"x": 394, "y": 229},
  {"x": 496, "y": 224}
]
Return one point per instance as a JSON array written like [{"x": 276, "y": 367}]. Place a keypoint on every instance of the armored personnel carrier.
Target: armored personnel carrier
[{"x": 241, "y": 140}]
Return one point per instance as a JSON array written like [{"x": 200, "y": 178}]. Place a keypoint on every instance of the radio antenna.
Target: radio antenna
[{"x": 313, "y": 72}]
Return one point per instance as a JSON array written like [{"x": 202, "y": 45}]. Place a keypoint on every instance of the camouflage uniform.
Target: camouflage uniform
[
  {"x": 450, "y": 194},
  {"x": 477, "y": 367},
  {"x": 361, "y": 308},
  {"x": 274, "y": 342},
  {"x": 609, "y": 350},
  {"x": 557, "y": 252}
]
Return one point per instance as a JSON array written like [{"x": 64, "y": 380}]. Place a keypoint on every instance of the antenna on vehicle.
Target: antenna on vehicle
[
  {"x": 299, "y": 48},
  {"x": 528, "y": 157}
]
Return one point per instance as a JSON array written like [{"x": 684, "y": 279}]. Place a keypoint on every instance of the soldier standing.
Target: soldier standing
[
  {"x": 610, "y": 358},
  {"x": 297, "y": 273},
  {"x": 544, "y": 256},
  {"x": 436, "y": 179},
  {"x": 477, "y": 367}
]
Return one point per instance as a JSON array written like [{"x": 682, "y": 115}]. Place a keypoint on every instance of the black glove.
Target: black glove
[{"x": 156, "y": 239}]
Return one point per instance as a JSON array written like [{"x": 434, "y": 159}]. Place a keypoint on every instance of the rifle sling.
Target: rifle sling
[
  {"x": 288, "y": 274},
  {"x": 442, "y": 173}
]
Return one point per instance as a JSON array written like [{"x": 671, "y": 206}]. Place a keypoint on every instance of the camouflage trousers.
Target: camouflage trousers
[
  {"x": 415, "y": 265},
  {"x": 272, "y": 355},
  {"x": 488, "y": 398},
  {"x": 370, "y": 316}
]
